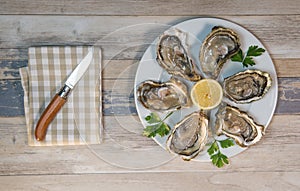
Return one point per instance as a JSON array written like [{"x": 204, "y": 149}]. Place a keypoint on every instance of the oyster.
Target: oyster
[
  {"x": 189, "y": 136},
  {"x": 238, "y": 125},
  {"x": 172, "y": 55},
  {"x": 247, "y": 86},
  {"x": 168, "y": 96},
  {"x": 217, "y": 47}
]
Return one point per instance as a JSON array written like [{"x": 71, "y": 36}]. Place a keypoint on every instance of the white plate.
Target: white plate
[{"x": 197, "y": 29}]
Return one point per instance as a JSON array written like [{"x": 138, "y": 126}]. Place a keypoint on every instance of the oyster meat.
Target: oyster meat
[
  {"x": 172, "y": 55},
  {"x": 216, "y": 49},
  {"x": 247, "y": 86},
  {"x": 168, "y": 96},
  {"x": 238, "y": 125},
  {"x": 189, "y": 136}
]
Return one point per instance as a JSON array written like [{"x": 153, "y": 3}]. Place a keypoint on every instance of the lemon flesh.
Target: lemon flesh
[{"x": 207, "y": 94}]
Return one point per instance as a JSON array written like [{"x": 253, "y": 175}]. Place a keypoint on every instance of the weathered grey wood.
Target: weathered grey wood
[
  {"x": 288, "y": 96},
  {"x": 113, "y": 68},
  {"x": 118, "y": 83},
  {"x": 118, "y": 78},
  {"x": 157, "y": 181},
  {"x": 11, "y": 98},
  {"x": 124, "y": 29},
  {"x": 177, "y": 7},
  {"x": 9, "y": 68},
  {"x": 277, "y": 152},
  {"x": 13, "y": 54},
  {"x": 128, "y": 37},
  {"x": 118, "y": 95}
]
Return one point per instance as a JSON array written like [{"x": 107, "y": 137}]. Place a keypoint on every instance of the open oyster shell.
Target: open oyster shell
[
  {"x": 216, "y": 49},
  {"x": 247, "y": 86},
  {"x": 189, "y": 136},
  {"x": 167, "y": 96},
  {"x": 172, "y": 55},
  {"x": 238, "y": 125}
]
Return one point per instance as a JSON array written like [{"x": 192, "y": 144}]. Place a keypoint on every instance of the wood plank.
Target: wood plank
[
  {"x": 11, "y": 98},
  {"x": 113, "y": 69},
  {"x": 287, "y": 67},
  {"x": 128, "y": 37},
  {"x": 9, "y": 69},
  {"x": 125, "y": 148},
  {"x": 127, "y": 160},
  {"x": 118, "y": 96},
  {"x": 127, "y": 7},
  {"x": 288, "y": 95},
  {"x": 13, "y": 54},
  {"x": 158, "y": 181}
]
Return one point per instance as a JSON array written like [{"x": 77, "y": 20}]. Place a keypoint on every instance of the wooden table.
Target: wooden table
[{"x": 124, "y": 29}]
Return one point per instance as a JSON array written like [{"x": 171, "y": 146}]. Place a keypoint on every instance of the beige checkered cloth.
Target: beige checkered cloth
[{"x": 79, "y": 121}]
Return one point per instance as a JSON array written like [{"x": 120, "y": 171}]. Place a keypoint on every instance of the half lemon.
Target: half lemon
[{"x": 207, "y": 94}]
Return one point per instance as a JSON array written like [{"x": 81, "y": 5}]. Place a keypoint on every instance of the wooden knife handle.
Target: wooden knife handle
[{"x": 48, "y": 115}]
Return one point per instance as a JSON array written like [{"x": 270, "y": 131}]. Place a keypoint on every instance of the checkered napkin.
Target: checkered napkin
[{"x": 79, "y": 121}]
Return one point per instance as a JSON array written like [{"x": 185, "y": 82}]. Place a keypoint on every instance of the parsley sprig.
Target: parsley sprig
[
  {"x": 247, "y": 59},
  {"x": 156, "y": 125},
  {"x": 216, "y": 156}
]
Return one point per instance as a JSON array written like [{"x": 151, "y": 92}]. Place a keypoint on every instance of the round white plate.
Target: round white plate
[{"x": 197, "y": 29}]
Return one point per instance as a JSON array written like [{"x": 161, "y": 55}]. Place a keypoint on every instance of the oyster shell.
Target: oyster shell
[
  {"x": 168, "y": 96},
  {"x": 172, "y": 55},
  {"x": 247, "y": 86},
  {"x": 217, "y": 47},
  {"x": 189, "y": 136},
  {"x": 238, "y": 125}
]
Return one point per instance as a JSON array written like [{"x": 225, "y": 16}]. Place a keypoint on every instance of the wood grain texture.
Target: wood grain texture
[
  {"x": 125, "y": 144},
  {"x": 156, "y": 7},
  {"x": 112, "y": 69},
  {"x": 125, "y": 29},
  {"x": 118, "y": 78},
  {"x": 11, "y": 96},
  {"x": 118, "y": 97},
  {"x": 233, "y": 181},
  {"x": 128, "y": 37}
]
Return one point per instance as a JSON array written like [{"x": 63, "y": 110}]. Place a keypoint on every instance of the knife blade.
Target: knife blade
[{"x": 61, "y": 97}]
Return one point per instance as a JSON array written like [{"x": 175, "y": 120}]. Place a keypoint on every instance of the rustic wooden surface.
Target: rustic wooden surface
[{"x": 124, "y": 29}]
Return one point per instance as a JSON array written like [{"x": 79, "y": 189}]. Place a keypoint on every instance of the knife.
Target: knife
[{"x": 60, "y": 98}]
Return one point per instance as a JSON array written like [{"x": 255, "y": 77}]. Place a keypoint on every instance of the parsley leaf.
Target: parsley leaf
[
  {"x": 238, "y": 57},
  {"x": 150, "y": 130},
  {"x": 152, "y": 118},
  {"x": 213, "y": 148},
  {"x": 255, "y": 51},
  {"x": 157, "y": 126},
  {"x": 247, "y": 59},
  {"x": 226, "y": 143},
  {"x": 218, "y": 158},
  {"x": 163, "y": 129}
]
